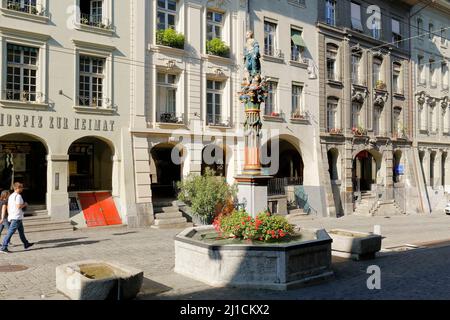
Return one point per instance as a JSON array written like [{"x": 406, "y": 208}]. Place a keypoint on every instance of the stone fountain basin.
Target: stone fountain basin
[
  {"x": 258, "y": 266},
  {"x": 98, "y": 280},
  {"x": 355, "y": 245}
]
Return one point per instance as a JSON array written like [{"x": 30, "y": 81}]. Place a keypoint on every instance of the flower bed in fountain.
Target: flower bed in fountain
[{"x": 261, "y": 253}]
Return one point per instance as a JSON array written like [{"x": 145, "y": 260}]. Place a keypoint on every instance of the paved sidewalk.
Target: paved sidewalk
[
  {"x": 396, "y": 230},
  {"x": 419, "y": 274}
]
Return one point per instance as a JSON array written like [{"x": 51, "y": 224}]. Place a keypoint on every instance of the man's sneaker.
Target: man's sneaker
[
  {"x": 5, "y": 250},
  {"x": 28, "y": 246}
]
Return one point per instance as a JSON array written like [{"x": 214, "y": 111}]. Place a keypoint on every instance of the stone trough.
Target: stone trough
[
  {"x": 98, "y": 280},
  {"x": 260, "y": 266},
  {"x": 355, "y": 245}
]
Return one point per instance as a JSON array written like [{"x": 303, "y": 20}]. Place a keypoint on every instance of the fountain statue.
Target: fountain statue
[{"x": 252, "y": 185}]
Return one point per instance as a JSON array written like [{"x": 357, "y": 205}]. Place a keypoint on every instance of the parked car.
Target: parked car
[{"x": 447, "y": 209}]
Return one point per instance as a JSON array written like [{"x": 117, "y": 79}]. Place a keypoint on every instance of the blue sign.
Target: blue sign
[{"x": 399, "y": 169}]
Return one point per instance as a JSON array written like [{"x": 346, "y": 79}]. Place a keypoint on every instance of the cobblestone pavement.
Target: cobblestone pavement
[{"x": 418, "y": 274}]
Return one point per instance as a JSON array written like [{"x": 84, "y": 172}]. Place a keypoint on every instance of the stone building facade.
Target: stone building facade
[
  {"x": 366, "y": 120},
  {"x": 430, "y": 77}
]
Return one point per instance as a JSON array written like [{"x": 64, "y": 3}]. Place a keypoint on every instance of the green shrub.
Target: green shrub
[
  {"x": 171, "y": 38},
  {"x": 265, "y": 227},
  {"x": 217, "y": 47},
  {"x": 207, "y": 195}
]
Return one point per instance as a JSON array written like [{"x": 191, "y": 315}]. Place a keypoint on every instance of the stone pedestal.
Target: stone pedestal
[{"x": 252, "y": 191}]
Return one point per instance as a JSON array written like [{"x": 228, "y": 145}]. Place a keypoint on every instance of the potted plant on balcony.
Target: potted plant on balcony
[
  {"x": 380, "y": 85},
  {"x": 298, "y": 115},
  {"x": 359, "y": 131},
  {"x": 275, "y": 114},
  {"x": 335, "y": 131},
  {"x": 14, "y": 6},
  {"x": 218, "y": 48},
  {"x": 170, "y": 38}
]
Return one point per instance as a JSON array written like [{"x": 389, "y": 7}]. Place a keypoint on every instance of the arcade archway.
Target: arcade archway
[
  {"x": 167, "y": 170},
  {"x": 286, "y": 162},
  {"x": 214, "y": 157},
  {"x": 366, "y": 166},
  {"x": 90, "y": 165},
  {"x": 23, "y": 159}
]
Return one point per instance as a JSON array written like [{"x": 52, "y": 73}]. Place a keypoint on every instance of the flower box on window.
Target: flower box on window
[
  {"x": 218, "y": 48},
  {"x": 380, "y": 85},
  {"x": 170, "y": 38},
  {"x": 335, "y": 131},
  {"x": 359, "y": 131}
]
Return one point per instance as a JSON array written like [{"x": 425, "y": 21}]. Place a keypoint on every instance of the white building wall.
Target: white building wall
[
  {"x": 58, "y": 121},
  {"x": 194, "y": 67}
]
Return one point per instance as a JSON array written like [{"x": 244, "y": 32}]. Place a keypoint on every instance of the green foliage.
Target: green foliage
[
  {"x": 217, "y": 47},
  {"x": 265, "y": 227},
  {"x": 207, "y": 195},
  {"x": 169, "y": 37}
]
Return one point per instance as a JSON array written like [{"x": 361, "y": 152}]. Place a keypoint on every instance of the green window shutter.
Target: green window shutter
[{"x": 297, "y": 39}]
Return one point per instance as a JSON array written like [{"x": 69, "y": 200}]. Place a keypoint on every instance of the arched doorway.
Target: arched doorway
[
  {"x": 285, "y": 165},
  {"x": 23, "y": 159},
  {"x": 90, "y": 165},
  {"x": 432, "y": 163},
  {"x": 167, "y": 171},
  {"x": 214, "y": 157},
  {"x": 397, "y": 166},
  {"x": 333, "y": 155},
  {"x": 366, "y": 165},
  {"x": 290, "y": 162}
]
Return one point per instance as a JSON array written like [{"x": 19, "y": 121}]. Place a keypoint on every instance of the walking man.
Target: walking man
[{"x": 15, "y": 218}]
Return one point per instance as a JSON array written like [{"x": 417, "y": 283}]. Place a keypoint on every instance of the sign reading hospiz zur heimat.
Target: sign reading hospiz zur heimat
[{"x": 50, "y": 122}]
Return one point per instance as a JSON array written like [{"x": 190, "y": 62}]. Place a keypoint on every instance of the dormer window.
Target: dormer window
[
  {"x": 376, "y": 28},
  {"x": 330, "y": 12},
  {"x": 356, "y": 16},
  {"x": 396, "y": 36}
]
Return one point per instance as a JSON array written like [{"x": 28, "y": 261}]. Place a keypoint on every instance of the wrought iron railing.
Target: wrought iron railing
[
  {"x": 277, "y": 186},
  {"x": 217, "y": 120},
  {"x": 95, "y": 21},
  {"x": 169, "y": 117},
  {"x": 25, "y": 7},
  {"x": 23, "y": 96}
]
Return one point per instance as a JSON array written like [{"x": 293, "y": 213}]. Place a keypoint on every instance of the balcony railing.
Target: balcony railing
[
  {"x": 23, "y": 96},
  {"x": 86, "y": 101},
  {"x": 95, "y": 21},
  {"x": 300, "y": 115},
  {"x": 25, "y": 7},
  {"x": 217, "y": 120},
  {"x": 277, "y": 186},
  {"x": 169, "y": 117}
]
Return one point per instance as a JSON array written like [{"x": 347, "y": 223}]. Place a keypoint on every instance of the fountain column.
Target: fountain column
[{"x": 252, "y": 184}]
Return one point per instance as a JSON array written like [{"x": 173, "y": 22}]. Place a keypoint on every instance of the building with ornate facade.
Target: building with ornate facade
[
  {"x": 430, "y": 58},
  {"x": 190, "y": 104},
  {"x": 366, "y": 120},
  {"x": 105, "y": 105}
]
